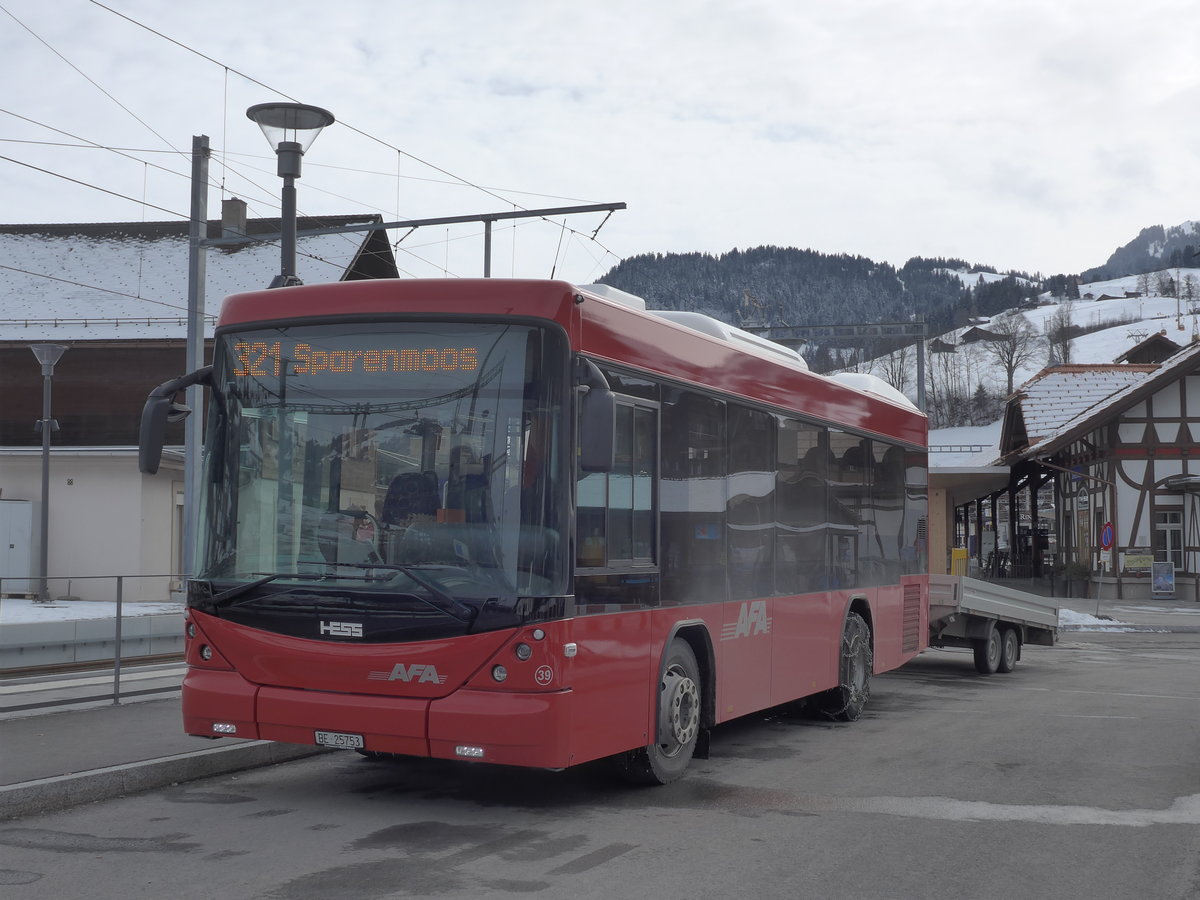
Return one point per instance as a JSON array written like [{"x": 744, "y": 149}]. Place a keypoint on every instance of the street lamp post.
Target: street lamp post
[
  {"x": 47, "y": 355},
  {"x": 290, "y": 128}
]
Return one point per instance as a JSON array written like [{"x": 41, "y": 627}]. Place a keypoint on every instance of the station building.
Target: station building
[
  {"x": 1097, "y": 469},
  {"x": 115, "y": 295}
]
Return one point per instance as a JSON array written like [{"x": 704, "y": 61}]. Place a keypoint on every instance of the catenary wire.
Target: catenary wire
[
  {"x": 225, "y": 166},
  {"x": 94, "y": 187},
  {"x": 93, "y": 287},
  {"x": 347, "y": 125},
  {"x": 87, "y": 77}
]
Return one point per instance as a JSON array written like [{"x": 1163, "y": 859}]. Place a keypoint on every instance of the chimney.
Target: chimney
[{"x": 233, "y": 218}]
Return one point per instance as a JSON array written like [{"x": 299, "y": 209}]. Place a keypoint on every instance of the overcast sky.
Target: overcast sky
[{"x": 1029, "y": 135}]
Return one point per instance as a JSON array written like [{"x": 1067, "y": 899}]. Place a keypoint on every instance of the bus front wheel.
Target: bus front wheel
[{"x": 679, "y": 705}]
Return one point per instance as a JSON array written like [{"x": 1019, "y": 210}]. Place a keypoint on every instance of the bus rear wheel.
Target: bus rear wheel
[
  {"x": 845, "y": 702},
  {"x": 680, "y": 701}
]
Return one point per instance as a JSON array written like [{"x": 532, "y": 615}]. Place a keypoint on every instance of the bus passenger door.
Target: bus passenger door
[
  {"x": 748, "y": 625},
  {"x": 616, "y": 587}
]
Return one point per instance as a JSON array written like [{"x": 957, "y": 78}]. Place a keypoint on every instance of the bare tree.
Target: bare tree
[
  {"x": 1189, "y": 287},
  {"x": 1165, "y": 284},
  {"x": 1060, "y": 329},
  {"x": 946, "y": 395},
  {"x": 1014, "y": 344},
  {"x": 894, "y": 368}
]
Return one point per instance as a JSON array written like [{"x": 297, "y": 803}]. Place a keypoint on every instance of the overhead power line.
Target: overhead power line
[
  {"x": 94, "y": 187},
  {"x": 349, "y": 126},
  {"x": 88, "y": 78},
  {"x": 275, "y": 90},
  {"x": 89, "y": 144},
  {"x": 93, "y": 287}
]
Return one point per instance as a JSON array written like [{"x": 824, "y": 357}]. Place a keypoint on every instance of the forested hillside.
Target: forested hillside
[
  {"x": 788, "y": 286},
  {"x": 772, "y": 286},
  {"x": 1154, "y": 249}
]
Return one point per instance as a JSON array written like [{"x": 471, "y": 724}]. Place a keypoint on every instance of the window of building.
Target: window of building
[{"x": 1168, "y": 537}]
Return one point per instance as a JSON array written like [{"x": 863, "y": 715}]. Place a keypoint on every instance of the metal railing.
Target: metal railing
[{"x": 118, "y": 635}]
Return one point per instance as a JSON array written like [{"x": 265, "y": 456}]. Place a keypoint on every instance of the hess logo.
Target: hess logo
[{"x": 342, "y": 629}]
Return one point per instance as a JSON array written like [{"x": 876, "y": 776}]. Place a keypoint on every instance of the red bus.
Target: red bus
[{"x": 535, "y": 524}]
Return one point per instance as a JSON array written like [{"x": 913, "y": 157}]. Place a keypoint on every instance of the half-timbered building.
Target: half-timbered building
[{"x": 1120, "y": 445}]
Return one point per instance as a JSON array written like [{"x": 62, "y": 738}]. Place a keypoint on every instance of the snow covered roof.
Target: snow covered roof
[
  {"x": 1058, "y": 394},
  {"x": 129, "y": 280},
  {"x": 1124, "y": 396},
  {"x": 963, "y": 447},
  {"x": 1153, "y": 349}
]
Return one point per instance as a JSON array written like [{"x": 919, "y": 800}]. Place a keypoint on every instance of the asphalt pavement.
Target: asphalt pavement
[{"x": 68, "y": 755}]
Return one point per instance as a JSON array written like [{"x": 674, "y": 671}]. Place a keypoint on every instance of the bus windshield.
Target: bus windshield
[{"x": 419, "y": 461}]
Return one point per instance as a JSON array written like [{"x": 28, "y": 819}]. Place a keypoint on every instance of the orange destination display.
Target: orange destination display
[{"x": 262, "y": 359}]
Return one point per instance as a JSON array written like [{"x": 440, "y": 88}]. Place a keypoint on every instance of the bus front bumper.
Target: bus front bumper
[{"x": 507, "y": 728}]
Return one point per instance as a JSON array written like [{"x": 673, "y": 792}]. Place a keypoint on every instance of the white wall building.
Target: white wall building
[{"x": 116, "y": 296}]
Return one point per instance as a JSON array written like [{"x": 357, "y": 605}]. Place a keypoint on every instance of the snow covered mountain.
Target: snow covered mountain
[
  {"x": 1111, "y": 317},
  {"x": 1154, "y": 249}
]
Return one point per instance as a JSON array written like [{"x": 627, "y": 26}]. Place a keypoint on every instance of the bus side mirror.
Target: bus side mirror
[
  {"x": 160, "y": 410},
  {"x": 597, "y": 430},
  {"x": 597, "y": 418}
]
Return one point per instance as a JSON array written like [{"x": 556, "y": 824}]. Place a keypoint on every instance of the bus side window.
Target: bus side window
[{"x": 615, "y": 511}]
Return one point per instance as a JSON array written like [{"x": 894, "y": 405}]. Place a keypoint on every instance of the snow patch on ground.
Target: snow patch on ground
[
  {"x": 1081, "y": 621},
  {"x": 1072, "y": 617}
]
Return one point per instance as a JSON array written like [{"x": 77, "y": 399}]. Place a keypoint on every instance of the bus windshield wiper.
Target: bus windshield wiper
[
  {"x": 226, "y": 596},
  {"x": 445, "y": 602},
  {"x": 442, "y": 601}
]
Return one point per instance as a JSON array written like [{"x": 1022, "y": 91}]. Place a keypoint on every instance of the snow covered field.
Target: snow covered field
[
  {"x": 17, "y": 611},
  {"x": 1133, "y": 320}
]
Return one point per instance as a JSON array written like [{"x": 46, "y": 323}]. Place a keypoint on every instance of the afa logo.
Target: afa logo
[
  {"x": 421, "y": 674},
  {"x": 752, "y": 619}
]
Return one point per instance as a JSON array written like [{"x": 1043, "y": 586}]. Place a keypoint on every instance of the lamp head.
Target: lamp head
[
  {"x": 292, "y": 123},
  {"x": 48, "y": 354}
]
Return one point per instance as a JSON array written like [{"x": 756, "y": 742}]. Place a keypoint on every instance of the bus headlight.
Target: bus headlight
[{"x": 499, "y": 673}]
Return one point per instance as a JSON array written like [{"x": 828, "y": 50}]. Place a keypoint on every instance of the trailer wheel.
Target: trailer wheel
[
  {"x": 1010, "y": 650},
  {"x": 845, "y": 702},
  {"x": 679, "y": 705},
  {"x": 988, "y": 651}
]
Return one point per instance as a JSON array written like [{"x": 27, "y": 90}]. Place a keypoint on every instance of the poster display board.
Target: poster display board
[{"x": 1162, "y": 584}]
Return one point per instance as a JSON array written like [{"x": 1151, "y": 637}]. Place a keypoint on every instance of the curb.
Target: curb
[
  {"x": 1127, "y": 628},
  {"x": 64, "y": 791}
]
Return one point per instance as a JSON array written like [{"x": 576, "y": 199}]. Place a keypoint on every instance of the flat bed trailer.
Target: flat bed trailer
[{"x": 993, "y": 621}]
